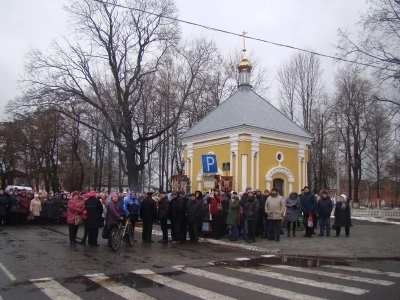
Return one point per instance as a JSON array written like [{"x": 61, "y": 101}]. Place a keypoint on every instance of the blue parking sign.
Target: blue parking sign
[{"x": 209, "y": 162}]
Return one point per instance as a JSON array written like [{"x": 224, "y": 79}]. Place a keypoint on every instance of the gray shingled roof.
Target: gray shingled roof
[{"x": 246, "y": 107}]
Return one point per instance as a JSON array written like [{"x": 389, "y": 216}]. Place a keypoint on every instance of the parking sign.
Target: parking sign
[{"x": 209, "y": 162}]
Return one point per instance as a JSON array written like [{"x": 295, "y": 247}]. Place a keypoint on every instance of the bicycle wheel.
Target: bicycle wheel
[
  {"x": 115, "y": 239},
  {"x": 130, "y": 233}
]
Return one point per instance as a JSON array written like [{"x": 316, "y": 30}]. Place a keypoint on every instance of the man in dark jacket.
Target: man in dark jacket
[
  {"x": 251, "y": 209},
  {"x": 4, "y": 203},
  {"x": 308, "y": 206},
  {"x": 148, "y": 213},
  {"x": 243, "y": 200},
  {"x": 261, "y": 214},
  {"x": 163, "y": 212},
  {"x": 176, "y": 214},
  {"x": 324, "y": 210},
  {"x": 194, "y": 214}
]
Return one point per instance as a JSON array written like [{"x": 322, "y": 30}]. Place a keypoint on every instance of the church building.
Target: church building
[{"x": 255, "y": 144}]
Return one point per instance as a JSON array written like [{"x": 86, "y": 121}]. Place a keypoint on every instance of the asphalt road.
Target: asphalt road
[{"x": 38, "y": 263}]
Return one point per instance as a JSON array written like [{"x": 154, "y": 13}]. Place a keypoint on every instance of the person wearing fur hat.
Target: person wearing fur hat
[
  {"x": 35, "y": 208},
  {"x": 342, "y": 215},
  {"x": 275, "y": 208},
  {"x": 292, "y": 204},
  {"x": 74, "y": 216},
  {"x": 94, "y": 219},
  {"x": 324, "y": 209}
]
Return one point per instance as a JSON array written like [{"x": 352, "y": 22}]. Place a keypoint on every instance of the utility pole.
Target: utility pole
[{"x": 337, "y": 156}]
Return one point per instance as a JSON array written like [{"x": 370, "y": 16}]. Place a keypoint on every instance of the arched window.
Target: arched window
[{"x": 279, "y": 184}]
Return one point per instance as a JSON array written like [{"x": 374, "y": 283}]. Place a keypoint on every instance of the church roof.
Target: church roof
[{"x": 246, "y": 107}]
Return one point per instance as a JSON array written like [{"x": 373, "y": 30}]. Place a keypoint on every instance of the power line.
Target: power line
[{"x": 247, "y": 37}]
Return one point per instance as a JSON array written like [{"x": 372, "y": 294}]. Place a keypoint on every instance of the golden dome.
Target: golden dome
[{"x": 244, "y": 65}]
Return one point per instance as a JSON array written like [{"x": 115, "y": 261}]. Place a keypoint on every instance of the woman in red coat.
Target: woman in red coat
[
  {"x": 74, "y": 217},
  {"x": 217, "y": 212}
]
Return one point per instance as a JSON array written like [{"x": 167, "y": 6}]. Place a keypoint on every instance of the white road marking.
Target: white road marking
[
  {"x": 268, "y": 255},
  {"x": 362, "y": 270},
  {"x": 246, "y": 284},
  {"x": 181, "y": 286},
  {"x": 54, "y": 290},
  {"x": 304, "y": 281},
  {"x": 334, "y": 275},
  {"x": 242, "y": 258},
  {"x": 8, "y": 273},
  {"x": 118, "y": 288},
  {"x": 211, "y": 263}
]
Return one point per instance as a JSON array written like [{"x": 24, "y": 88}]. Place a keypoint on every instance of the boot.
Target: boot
[{"x": 294, "y": 232}]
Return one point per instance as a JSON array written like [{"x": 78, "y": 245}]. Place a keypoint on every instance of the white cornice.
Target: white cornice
[{"x": 248, "y": 130}]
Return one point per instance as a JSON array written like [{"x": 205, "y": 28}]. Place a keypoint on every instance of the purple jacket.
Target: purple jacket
[{"x": 113, "y": 216}]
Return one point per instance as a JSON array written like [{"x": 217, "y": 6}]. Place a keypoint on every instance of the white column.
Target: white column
[
  {"x": 235, "y": 156},
  {"x": 258, "y": 171},
  {"x": 244, "y": 171},
  {"x": 252, "y": 169},
  {"x": 255, "y": 148},
  {"x": 302, "y": 170}
]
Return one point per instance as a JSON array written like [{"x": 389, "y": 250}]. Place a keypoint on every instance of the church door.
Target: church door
[{"x": 279, "y": 184}]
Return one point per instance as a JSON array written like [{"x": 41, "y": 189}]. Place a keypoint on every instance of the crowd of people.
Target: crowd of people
[{"x": 249, "y": 214}]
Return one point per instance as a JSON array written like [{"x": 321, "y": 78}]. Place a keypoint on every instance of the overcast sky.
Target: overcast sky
[{"x": 300, "y": 23}]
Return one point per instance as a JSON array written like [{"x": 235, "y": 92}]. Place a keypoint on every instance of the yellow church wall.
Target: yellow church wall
[
  {"x": 268, "y": 161},
  {"x": 244, "y": 147}
]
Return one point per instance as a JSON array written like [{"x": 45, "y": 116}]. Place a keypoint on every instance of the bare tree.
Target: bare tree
[
  {"x": 110, "y": 67},
  {"x": 378, "y": 44}
]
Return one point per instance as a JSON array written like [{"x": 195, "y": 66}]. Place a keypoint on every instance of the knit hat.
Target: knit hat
[
  {"x": 344, "y": 196},
  {"x": 75, "y": 193},
  {"x": 92, "y": 194},
  {"x": 86, "y": 196},
  {"x": 113, "y": 194}
]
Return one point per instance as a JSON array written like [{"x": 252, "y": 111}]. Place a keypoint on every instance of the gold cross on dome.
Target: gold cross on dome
[{"x": 244, "y": 40}]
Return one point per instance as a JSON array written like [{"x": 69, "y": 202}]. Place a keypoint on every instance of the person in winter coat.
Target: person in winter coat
[
  {"x": 48, "y": 209},
  {"x": 94, "y": 220},
  {"x": 243, "y": 199},
  {"x": 148, "y": 213},
  {"x": 131, "y": 208},
  {"x": 64, "y": 208},
  {"x": 113, "y": 216},
  {"x": 292, "y": 204},
  {"x": 35, "y": 208},
  {"x": 308, "y": 206},
  {"x": 233, "y": 218},
  {"x": 250, "y": 211},
  {"x": 14, "y": 207},
  {"x": 23, "y": 208},
  {"x": 176, "y": 214},
  {"x": 217, "y": 213},
  {"x": 324, "y": 209},
  {"x": 4, "y": 203},
  {"x": 342, "y": 215},
  {"x": 261, "y": 213},
  {"x": 184, "y": 222},
  {"x": 74, "y": 217},
  {"x": 194, "y": 216},
  {"x": 275, "y": 208},
  {"x": 163, "y": 213}
]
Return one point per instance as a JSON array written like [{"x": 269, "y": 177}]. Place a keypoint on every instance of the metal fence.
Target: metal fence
[{"x": 376, "y": 213}]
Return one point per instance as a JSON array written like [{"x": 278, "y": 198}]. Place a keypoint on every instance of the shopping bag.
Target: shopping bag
[
  {"x": 206, "y": 227},
  {"x": 106, "y": 232},
  {"x": 310, "y": 222}
]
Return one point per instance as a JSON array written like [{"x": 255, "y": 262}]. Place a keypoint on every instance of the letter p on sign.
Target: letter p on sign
[{"x": 209, "y": 162}]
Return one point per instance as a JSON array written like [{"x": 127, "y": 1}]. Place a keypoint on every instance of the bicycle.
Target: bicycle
[{"x": 123, "y": 230}]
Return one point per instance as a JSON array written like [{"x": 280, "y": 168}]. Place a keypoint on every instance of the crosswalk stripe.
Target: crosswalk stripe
[
  {"x": 246, "y": 284},
  {"x": 181, "y": 286},
  {"x": 54, "y": 290},
  {"x": 324, "y": 285},
  {"x": 118, "y": 288},
  {"x": 366, "y": 271},
  {"x": 334, "y": 275}
]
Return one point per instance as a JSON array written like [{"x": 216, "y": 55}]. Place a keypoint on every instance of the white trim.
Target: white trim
[
  {"x": 280, "y": 170},
  {"x": 200, "y": 174}
]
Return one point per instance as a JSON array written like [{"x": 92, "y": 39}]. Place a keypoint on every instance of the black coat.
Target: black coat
[
  {"x": 342, "y": 214},
  {"x": 148, "y": 209},
  {"x": 324, "y": 207},
  {"x": 163, "y": 208},
  {"x": 251, "y": 208},
  {"x": 4, "y": 203},
  {"x": 48, "y": 208},
  {"x": 261, "y": 201},
  {"x": 308, "y": 203},
  {"x": 176, "y": 208},
  {"x": 94, "y": 209},
  {"x": 194, "y": 213}
]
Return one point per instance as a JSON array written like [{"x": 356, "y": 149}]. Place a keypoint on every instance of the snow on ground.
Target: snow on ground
[{"x": 375, "y": 220}]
